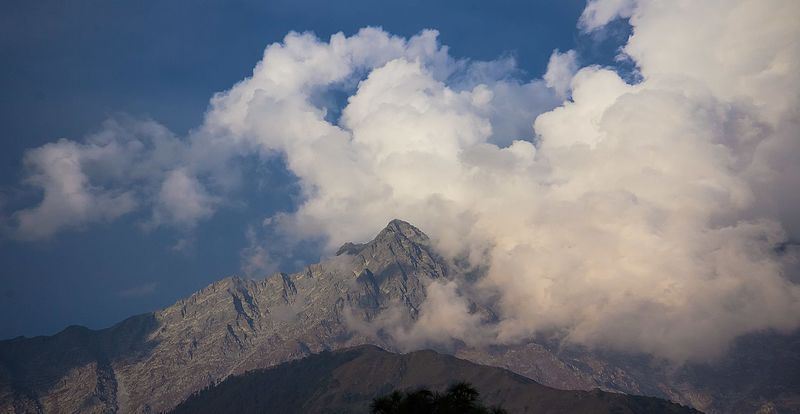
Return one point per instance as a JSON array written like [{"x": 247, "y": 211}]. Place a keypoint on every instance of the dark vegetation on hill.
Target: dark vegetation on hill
[
  {"x": 460, "y": 398},
  {"x": 349, "y": 381}
]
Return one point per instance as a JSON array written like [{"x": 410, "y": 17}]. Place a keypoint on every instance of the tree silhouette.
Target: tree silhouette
[{"x": 460, "y": 398}]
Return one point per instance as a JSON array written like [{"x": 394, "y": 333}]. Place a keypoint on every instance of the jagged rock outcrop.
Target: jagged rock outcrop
[{"x": 152, "y": 362}]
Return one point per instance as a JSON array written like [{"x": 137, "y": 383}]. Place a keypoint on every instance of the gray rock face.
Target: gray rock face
[{"x": 152, "y": 362}]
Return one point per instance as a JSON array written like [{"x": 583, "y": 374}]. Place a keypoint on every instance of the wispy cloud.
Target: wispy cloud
[{"x": 137, "y": 291}]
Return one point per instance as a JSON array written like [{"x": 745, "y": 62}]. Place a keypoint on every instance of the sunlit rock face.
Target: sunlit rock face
[
  {"x": 152, "y": 362},
  {"x": 372, "y": 292}
]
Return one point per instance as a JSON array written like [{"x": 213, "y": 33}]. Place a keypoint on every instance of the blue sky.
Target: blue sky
[{"x": 68, "y": 67}]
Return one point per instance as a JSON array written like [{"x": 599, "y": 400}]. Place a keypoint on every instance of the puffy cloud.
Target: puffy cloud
[
  {"x": 414, "y": 108},
  {"x": 598, "y": 13},
  {"x": 644, "y": 218},
  {"x": 69, "y": 199},
  {"x": 560, "y": 69},
  {"x": 182, "y": 200},
  {"x": 127, "y": 166}
]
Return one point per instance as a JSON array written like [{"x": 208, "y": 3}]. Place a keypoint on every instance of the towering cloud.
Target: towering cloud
[{"x": 651, "y": 217}]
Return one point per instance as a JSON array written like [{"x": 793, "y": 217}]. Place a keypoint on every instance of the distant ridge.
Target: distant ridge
[{"x": 345, "y": 381}]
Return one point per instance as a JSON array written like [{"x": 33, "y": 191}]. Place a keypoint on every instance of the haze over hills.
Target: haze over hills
[
  {"x": 346, "y": 381},
  {"x": 153, "y": 362}
]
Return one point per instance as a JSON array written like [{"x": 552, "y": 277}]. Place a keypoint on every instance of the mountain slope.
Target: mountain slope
[
  {"x": 227, "y": 328},
  {"x": 152, "y": 362},
  {"x": 346, "y": 381}
]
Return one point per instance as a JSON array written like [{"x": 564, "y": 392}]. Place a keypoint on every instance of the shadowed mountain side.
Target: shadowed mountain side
[
  {"x": 759, "y": 374},
  {"x": 346, "y": 381},
  {"x": 71, "y": 368}
]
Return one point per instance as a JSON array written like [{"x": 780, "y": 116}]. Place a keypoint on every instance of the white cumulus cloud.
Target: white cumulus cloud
[{"x": 560, "y": 69}]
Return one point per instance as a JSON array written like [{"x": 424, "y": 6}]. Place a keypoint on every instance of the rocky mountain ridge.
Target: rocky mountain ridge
[{"x": 152, "y": 362}]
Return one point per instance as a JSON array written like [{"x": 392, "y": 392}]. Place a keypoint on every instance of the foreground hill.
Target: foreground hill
[
  {"x": 346, "y": 381},
  {"x": 152, "y": 362}
]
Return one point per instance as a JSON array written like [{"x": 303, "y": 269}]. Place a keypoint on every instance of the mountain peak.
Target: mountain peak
[
  {"x": 404, "y": 229},
  {"x": 396, "y": 230},
  {"x": 397, "y": 264}
]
